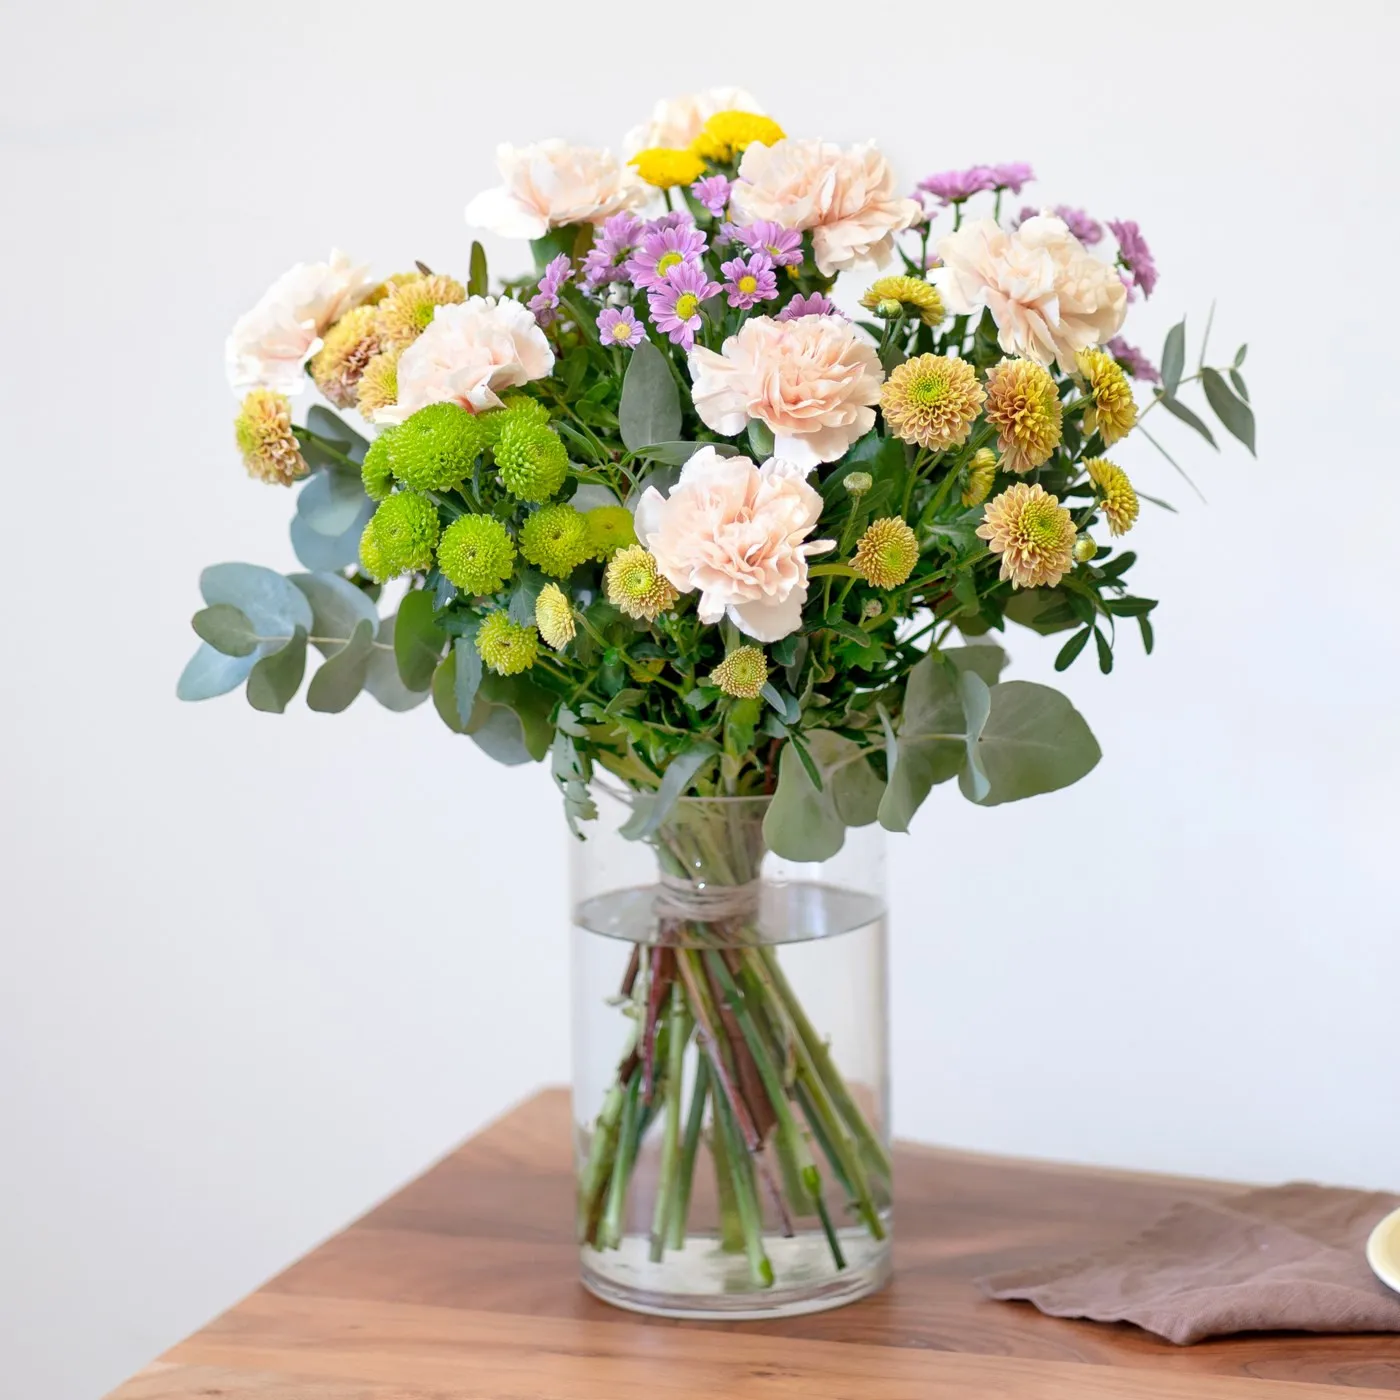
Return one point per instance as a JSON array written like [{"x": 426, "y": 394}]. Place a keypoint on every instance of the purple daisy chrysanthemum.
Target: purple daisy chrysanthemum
[
  {"x": 713, "y": 193},
  {"x": 750, "y": 280},
  {"x": 782, "y": 245},
  {"x": 1086, "y": 229},
  {"x": 1133, "y": 360},
  {"x": 545, "y": 302},
  {"x": 1014, "y": 176},
  {"x": 814, "y": 305},
  {"x": 1134, "y": 254},
  {"x": 606, "y": 260},
  {"x": 620, "y": 327},
  {"x": 662, "y": 249},
  {"x": 954, "y": 186},
  {"x": 675, "y": 303}
]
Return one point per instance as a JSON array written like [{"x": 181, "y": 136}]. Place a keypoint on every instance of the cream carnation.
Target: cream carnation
[
  {"x": 1048, "y": 295},
  {"x": 847, "y": 198},
  {"x": 676, "y": 121},
  {"x": 269, "y": 345},
  {"x": 551, "y": 184},
  {"x": 813, "y": 381},
  {"x": 738, "y": 533},
  {"x": 467, "y": 355}
]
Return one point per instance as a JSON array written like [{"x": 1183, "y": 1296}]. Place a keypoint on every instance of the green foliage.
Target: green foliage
[
  {"x": 418, "y": 640},
  {"x": 342, "y": 675},
  {"x": 276, "y": 678},
  {"x": 650, "y": 407},
  {"x": 1033, "y": 741},
  {"x": 226, "y": 629}
]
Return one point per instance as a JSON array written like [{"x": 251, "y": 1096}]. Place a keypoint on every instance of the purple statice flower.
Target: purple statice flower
[
  {"x": 620, "y": 327},
  {"x": 675, "y": 301},
  {"x": 782, "y": 245},
  {"x": 713, "y": 193},
  {"x": 605, "y": 260},
  {"x": 954, "y": 186},
  {"x": 814, "y": 305},
  {"x": 1014, "y": 176},
  {"x": 660, "y": 250},
  {"x": 751, "y": 280},
  {"x": 545, "y": 302},
  {"x": 1133, "y": 360},
  {"x": 1134, "y": 254}
]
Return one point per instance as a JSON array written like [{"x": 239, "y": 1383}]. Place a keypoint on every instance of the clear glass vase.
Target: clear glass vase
[{"x": 731, "y": 1076}]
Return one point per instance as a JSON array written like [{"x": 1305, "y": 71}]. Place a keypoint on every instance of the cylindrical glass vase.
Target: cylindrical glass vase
[{"x": 731, "y": 1072}]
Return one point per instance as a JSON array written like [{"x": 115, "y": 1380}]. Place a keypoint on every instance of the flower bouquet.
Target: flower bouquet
[{"x": 722, "y": 528}]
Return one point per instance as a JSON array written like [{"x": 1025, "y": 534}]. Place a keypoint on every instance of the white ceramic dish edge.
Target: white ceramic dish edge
[{"x": 1383, "y": 1250}]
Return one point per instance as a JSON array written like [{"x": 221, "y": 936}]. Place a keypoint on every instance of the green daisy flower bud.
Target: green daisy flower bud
[
  {"x": 857, "y": 483},
  {"x": 610, "y": 528},
  {"x": 532, "y": 459},
  {"x": 1085, "y": 548},
  {"x": 555, "y": 540},
  {"x": 435, "y": 448},
  {"x": 405, "y": 529},
  {"x": 742, "y": 674},
  {"x": 375, "y": 473},
  {"x": 476, "y": 554},
  {"x": 505, "y": 646}
]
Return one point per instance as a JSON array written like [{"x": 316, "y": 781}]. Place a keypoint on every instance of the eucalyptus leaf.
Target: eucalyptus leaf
[
  {"x": 1034, "y": 741},
  {"x": 801, "y": 823},
  {"x": 1234, "y": 413},
  {"x": 1179, "y": 410},
  {"x": 521, "y": 608},
  {"x": 529, "y": 707},
  {"x": 342, "y": 674},
  {"x": 931, "y": 741},
  {"x": 324, "y": 554},
  {"x": 1173, "y": 358},
  {"x": 275, "y": 678},
  {"x": 760, "y": 437},
  {"x": 976, "y": 697},
  {"x": 650, "y": 410},
  {"x": 274, "y": 606},
  {"x": 466, "y": 676},
  {"x": 418, "y": 640},
  {"x": 443, "y": 693},
  {"x": 210, "y": 673},
  {"x": 675, "y": 781},
  {"x": 331, "y": 502},
  {"x": 677, "y": 454},
  {"x": 335, "y": 429},
  {"x": 226, "y": 629},
  {"x": 336, "y": 607},
  {"x": 382, "y": 675}
]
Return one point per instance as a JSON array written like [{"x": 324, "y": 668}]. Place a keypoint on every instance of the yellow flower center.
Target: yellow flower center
[
  {"x": 667, "y": 261},
  {"x": 622, "y": 331},
  {"x": 1039, "y": 522},
  {"x": 687, "y": 304},
  {"x": 928, "y": 392},
  {"x": 748, "y": 284}
]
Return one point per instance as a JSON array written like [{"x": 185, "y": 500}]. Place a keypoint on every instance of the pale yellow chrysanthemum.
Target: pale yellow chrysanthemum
[
  {"x": 1119, "y": 500},
  {"x": 349, "y": 346},
  {"x": 981, "y": 474},
  {"x": 409, "y": 309},
  {"x": 634, "y": 584},
  {"x": 665, "y": 166},
  {"x": 742, "y": 674},
  {"x": 1112, "y": 410},
  {"x": 379, "y": 383},
  {"x": 727, "y": 134},
  {"x": 1024, "y": 407},
  {"x": 1033, "y": 533},
  {"x": 554, "y": 616},
  {"x": 888, "y": 296},
  {"x": 387, "y": 286},
  {"x": 887, "y": 552},
  {"x": 263, "y": 431},
  {"x": 932, "y": 400}
]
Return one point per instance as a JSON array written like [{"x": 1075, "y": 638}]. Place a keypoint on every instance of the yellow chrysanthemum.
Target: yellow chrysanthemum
[
  {"x": 1033, "y": 533},
  {"x": 349, "y": 346},
  {"x": 981, "y": 473},
  {"x": 409, "y": 309},
  {"x": 379, "y": 384},
  {"x": 634, "y": 583},
  {"x": 554, "y": 616},
  {"x": 1113, "y": 411},
  {"x": 742, "y": 674},
  {"x": 1119, "y": 500},
  {"x": 387, "y": 286},
  {"x": 932, "y": 400},
  {"x": 666, "y": 166},
  {"x": 726, "y": 134},
  {"x": 610, "y": 528},
  {"x": 887, "y": 552},
  {"x": 507, "y": 647},
  {"x": 1024, "y": 407},
  {"x": 888, "y": 296},
  {"x": 263, "y": 431}
]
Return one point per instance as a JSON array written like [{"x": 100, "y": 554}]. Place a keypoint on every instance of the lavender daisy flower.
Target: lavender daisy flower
[
  {"x": 546, "y": 300},
  {"x": 713, "y": 193},
  {"x": 783, "y": 245},
  {"x": 751, "y": 280},
  {"x": 677, "y": 218},
  {"x": 1133, "y": 360},
  {"x": 1085, "y": 229},
  {"x": 954, "y": 186},
  {"x": 662, "y": 249},
  {"x": 604, "y": 261},
  {"x": 620, "y": 327},
  {"x": 1013, "y": 176},
  {"x": 814, "y": 305},
  {"x": 675, "y": 302},
  {"x": 1134, "y": 254}
]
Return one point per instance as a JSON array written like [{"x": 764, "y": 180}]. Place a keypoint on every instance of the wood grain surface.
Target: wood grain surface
[{"x": 464, "y": 1286}]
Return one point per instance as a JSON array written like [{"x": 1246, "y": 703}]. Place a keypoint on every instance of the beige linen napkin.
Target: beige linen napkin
[{"x": 1288, "y": 1258}]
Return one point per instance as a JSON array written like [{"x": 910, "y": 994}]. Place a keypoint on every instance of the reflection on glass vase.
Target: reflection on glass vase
[{"x": 730, "y": 1066}]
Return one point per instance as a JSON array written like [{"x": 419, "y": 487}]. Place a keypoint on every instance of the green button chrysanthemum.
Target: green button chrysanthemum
[
  {"x": 532, "y": 459},
  {"x": 610, "y": 528},
  {"x": 371, "y": 556},
  {"x": 376, "y": 474},
  {"x": 507, "y": 647},
  {"x": 742, "y": 674},
  {"x": 434, "y": 449},
  {"x": 405, "y": 529},
  {"x": 555, "y": 540},
  {"x": 887, "y": 552},
  {"x": 476, "y": 554},
  {"x": 519, "y": 408}
]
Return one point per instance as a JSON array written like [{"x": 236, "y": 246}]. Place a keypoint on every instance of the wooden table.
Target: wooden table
[{"x": 462, "y": 1287}]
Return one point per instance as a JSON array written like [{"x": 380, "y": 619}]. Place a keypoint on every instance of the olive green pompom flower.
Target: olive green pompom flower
[
  {"x": 981, "y": 473},
  {"x": 932, "y": 400},
  {"x": 610, "y": 528},
  {"x": 554, "y": 616},
  {"x": 405, "y": 529},
  {"x": 532, "y": 458},
  {"x": 435, "y": 448},
  {"x": 742, "y": 674},
  {"x": 1085, "y": 548},
  {"x": 379, "y": 384},
  {"x": 476, "y": 554},
  {"x": 507, "y": 647},
  {"x": 857, "y": 483},
  {"x": 263, "y": 431},
  {"x": 371, "y": 556},
  {"x": 887, "y": 552},
  {"x": 889, "y": 296},
  {"x": 1023, "y": 405},
  {"x": 1120, "y": 501},
  {"x": 376, "y": 474},
  {"x": 555, "y": 540},
  {"x": 1112, "y": 411},
  {"x": 409, "y": 309},
  {"x": 349, "y": 346},
  {"x": 517, "y": 408},
  {"x": 634, "y": 584}
]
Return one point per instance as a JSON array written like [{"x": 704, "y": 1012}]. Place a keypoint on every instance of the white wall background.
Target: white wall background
[{"x": 258, "y": 971}]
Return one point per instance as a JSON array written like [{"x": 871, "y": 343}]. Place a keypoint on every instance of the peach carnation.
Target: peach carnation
[
  {"x": 813, "y": 381},
  {"x": 846, "y": 197},
  {"x": 467, "y": 355},
  {"x": 676, "y": 121},
  {"x": 738, "y": 533},
  {"x": 551, "y": 184},
  {"x": 1049, "y": 296}
]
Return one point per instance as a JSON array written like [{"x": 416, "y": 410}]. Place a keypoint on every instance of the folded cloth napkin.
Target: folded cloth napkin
[{"x": 1288, "y": 1258}]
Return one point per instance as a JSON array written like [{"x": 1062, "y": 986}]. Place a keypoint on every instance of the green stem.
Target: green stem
[
  {"x": 600, "y": 1156},
  {"x": 745, "y": 1195},
  {"x": 678, "y": 1035},
  {"x": 679, "y": 1209},
  {"x": 611, "y": 1226}
]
